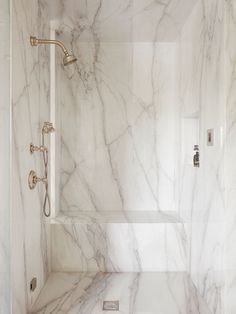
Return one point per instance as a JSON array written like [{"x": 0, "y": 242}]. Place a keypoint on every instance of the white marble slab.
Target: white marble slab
[
  {"x": 30, "y": 107},
  {"x": 146, "y": 293},
  {"x": 119, "y": 128},
  {"x": 122, "y": 107},
  {"x": 202, "y": 194},
  {"x": 119, "y": 247}
]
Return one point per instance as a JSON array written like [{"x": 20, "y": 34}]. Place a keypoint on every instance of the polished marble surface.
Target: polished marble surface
[
  {"x": 120, "y": 106},
  {"x": 138, "y": 293},
  {"x": 201, "y": 58},
  {"x": 118, "y": 113},
  {"x": 30, "y": 107},
  {"x": 117, "y": 104},
  {"x": 128, "y": 100},
  {"x": 119, "y": 241},
  {"x": 119, "y": 247}
]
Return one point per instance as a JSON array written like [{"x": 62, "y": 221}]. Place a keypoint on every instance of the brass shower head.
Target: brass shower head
[{"x": 68, "y": 59}]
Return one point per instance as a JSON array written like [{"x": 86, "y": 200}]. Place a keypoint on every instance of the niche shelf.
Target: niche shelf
[{"x": 79, "y": 217}]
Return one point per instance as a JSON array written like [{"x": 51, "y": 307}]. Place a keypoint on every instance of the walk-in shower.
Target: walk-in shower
[{"x": 129, "y": 154}]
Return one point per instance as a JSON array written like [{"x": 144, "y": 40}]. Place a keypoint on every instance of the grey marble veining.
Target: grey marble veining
[
  {"x": 119, "y": 247},
  {"x": 150, "y": 293},
  {"x": 125, "y": 194},
  {"x": 124, "y": 20},
  {"x": 119, "y": 114},
  {"x": 125, "y": 95},
  {"x": 115, "y": 105},
  {"x": 202, "y": 195},
  {"x": 30, "y": 107}
]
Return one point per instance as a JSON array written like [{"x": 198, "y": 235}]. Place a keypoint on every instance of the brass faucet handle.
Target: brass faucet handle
[
  {"x": 47, "y": 128},
  {"x": 33, "y": 179},
  {"x": 34, "y": 148}
]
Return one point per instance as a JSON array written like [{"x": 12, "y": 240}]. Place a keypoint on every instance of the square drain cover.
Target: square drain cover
[{"x": 110, "y": 306}]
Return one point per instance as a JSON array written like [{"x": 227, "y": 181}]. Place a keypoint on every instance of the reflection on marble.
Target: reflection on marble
[
  {"x": 30, "y": 107},
  {"x": 138, "y": 293},
  {"x": 119, "y": 247},
  {"x": 5, "y": 287}
]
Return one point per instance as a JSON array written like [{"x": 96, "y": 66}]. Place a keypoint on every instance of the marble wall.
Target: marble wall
[
  {"x": 128, "y": 113},
  {"x": 201, "y": 93},
  {"x": 118, "y": 125},
  {"x": 230, "y": 166},
  {"x": 5, "y": 158},
  {"x": 118, "y": 129},
  {"x": 119, "y": 118},
  {"x": 30, "y": 107}
]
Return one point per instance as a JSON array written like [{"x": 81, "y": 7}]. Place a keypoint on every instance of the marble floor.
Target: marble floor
[{"x": 137, "y": 293}]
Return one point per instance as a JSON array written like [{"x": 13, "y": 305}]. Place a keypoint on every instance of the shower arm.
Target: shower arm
[{"x": 36, "y": 41}]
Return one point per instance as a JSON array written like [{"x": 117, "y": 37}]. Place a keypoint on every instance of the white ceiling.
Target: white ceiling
[{"x": 122, "y": 20}]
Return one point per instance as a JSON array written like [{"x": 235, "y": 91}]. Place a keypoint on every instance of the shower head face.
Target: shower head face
[{"x": 69, "y": 59}]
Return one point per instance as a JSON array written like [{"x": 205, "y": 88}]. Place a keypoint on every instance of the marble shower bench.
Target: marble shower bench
[{"x": 119, "y": 242}]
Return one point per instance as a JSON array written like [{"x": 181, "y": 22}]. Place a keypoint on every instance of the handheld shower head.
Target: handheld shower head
[{"x": 68, "y": 59}]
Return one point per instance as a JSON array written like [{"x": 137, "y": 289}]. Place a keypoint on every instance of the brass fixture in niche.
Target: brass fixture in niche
[{"x": 33, "y": 179}]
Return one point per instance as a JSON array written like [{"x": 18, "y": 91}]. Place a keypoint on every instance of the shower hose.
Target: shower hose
[{"x": 47, "y": 202}]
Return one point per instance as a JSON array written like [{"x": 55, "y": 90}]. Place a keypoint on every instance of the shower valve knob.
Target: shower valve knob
[{"x": 33, "y": 179}]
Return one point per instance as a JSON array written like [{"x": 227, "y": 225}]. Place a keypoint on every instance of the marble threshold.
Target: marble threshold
[
  {"x": 80, "y": 217},
  {"x": 136, "y": 293}
]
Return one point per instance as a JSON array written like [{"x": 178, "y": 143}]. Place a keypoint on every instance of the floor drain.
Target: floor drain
[{"x": 110, "y": 306}]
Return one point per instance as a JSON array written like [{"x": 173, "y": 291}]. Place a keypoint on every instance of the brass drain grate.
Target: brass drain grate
[{"x": 110, "y": 306}]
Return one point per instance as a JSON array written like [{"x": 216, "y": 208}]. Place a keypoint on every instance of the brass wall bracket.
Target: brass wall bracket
[
  {"x": 33, "y": 41},
  {"x": 34, "y": 148}
]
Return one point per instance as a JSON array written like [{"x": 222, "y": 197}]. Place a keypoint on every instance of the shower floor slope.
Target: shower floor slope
[{"x": 137, "y": 293}]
